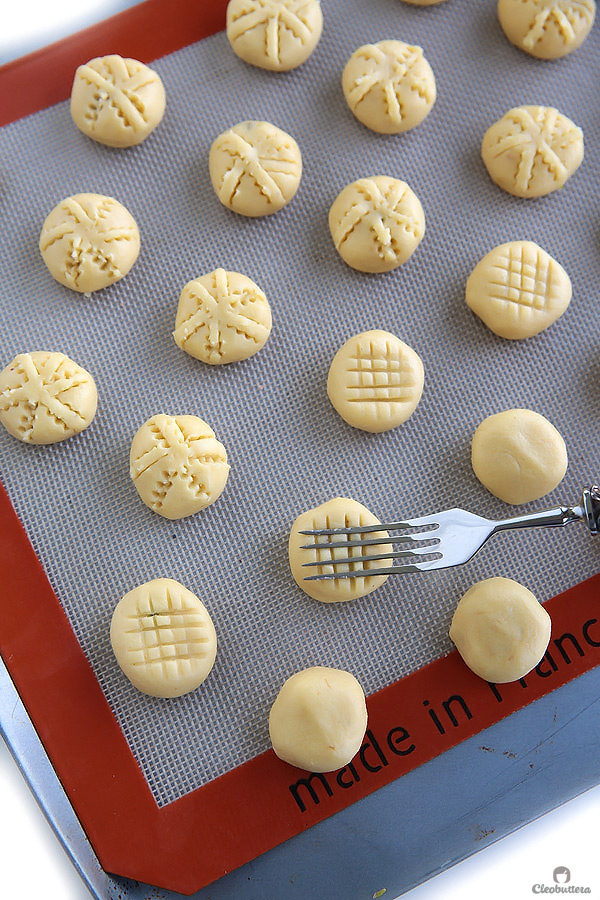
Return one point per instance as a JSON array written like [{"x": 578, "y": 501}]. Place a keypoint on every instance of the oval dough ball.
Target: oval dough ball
[
  {"x": 255, "y": 168},
  {"x": 89, "y": 241},
  {"x": 547, "y": 29},
  {"x": 389, "y": 86},
  {"x": 532, "y": 151},
  {"x": 163, "y": 638},
  {"x": 222, "y": 317},
  {"x": 117, "y": 101},
  {"x": 518, "y": 290},
  {"x": 177, "y": 465},
  {"x": 518, "y": 455},
  {"x": 375, "y": 381},
  {"x": 500, "y": 630},
  {"x": 274, "y": 34},
  {"x": 46, "y": 397},
  {"x": 376, "y": 223},
  {"x": 342, "y": 512},
  {"x": 318, "y": 720}
]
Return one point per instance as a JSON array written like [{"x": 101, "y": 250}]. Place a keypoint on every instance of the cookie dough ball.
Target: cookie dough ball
[
  {"x": 389, "y": 86},
  {"x": 518, "y": 290},
  {"x": 89, "y": 241},
  {"x": 376, "y": 223},
  {"x": 518, "y": 455},
  {"x": 117, "y": 101},
  {"x": 46, "y": 397},
  {"x": 222, "y": 317},
  {"x": 532, "y": 151},
  {"x": 274, "y": 34},
  {"x": 375, "y": 381},
  {"x": 500, "y": 630},
  {"x": 318, "y": 720},
  {"x": 177, "y": 465},
  {"x": 163, "y": 638},
  {"x": 255, "y": 168},
  {"x": 341, "y": 512},
  {"x": 547, "y": 29}
]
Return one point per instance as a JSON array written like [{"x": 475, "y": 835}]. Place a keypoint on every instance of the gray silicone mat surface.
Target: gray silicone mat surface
[{"x": 288, "y": 449}]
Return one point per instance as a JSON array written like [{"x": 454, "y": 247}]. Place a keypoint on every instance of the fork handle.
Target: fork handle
[{"x": 588, "y": 510}]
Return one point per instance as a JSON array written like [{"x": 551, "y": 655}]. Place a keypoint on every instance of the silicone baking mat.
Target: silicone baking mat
[{"x": 287, "y": 447}]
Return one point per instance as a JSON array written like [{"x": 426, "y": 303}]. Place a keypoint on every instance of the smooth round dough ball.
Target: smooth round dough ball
[
  {"x": 547, "y": 29},
  {"x": 500, "y": 630},
  {"x": 375, "y": 381},
  {"x": 518, "y": 290},
  {"x": 163, "y": 638},
  {"x": 89, "y": 241},
  {"x": 255, "y": 168},
  {"x": 376, "y": 223},
  {"x": 177, "y": 465},
  {"x": 274, "y": 34},
  {"x": 341, "y": 512},
  {"x": 518, "y": 455},
  {"x": 318, "y": 720},
  {"x": 117, "y": 101},
  {"x": 222, "y": 317},
  {"x": 46, "y": 397},
  {"x": 532, "y": 151}
]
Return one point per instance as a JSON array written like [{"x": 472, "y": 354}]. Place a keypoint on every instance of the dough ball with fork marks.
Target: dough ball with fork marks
[
  {"x": 547, "y": 29},
  {"x": 255, "y": 168},
  {"x": 89, "y": 241},
  {"x": 274, "y": 34},
  {"x": 117, "y": 101},
  {"x": 177, "y": 465},
  {"x": 163, "y": 638},
  {"x": 46, "y": 397},
  {"x": 376, "y": 223}
]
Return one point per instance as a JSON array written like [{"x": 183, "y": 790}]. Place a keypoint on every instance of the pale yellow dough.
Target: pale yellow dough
[
  {"x": 500, "y": 630},
  {"x": 255, "y": 168},
  {"x": 518, "y": 455},
  {"x": 318, "y": 720},
  {"x": 389, "y": 86},
  {"x": 222, "y": 317},
  {"x": 518, "y": 290},
  {"x": 547, "y": 29},
  {"x": 274, "y": 34},
  {"x": 89, "y": 241},
  {"x": 163, "y": 638},
  {"x": 46, "y": 397},
  {"x": 376, "y": 223},
  {"x": 342, "y": 512},
  {"x": 117, "y": 101},
  {"x": 532, "y": 151},
  {"x": 177, "y": 465},
  {"x": 375, "y": 381}
]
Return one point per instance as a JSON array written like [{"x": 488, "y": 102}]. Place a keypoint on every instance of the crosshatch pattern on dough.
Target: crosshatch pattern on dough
[
  {"x": 274, "y": 34},
  {"x": 547, "y": 28}
]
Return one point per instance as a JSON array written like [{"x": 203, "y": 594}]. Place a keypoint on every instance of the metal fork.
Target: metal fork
[{"x": 445, "y": 539}]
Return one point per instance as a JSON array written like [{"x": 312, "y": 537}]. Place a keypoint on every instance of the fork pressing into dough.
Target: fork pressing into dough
[{"x": 439, "y": 541}]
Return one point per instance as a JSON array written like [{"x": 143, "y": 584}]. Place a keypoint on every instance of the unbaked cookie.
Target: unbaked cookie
[
  {"x": 177, "y": 465},
  {"x": 375, "y": 381},
  {"x": 163, "y": 638},
  {"x": 547, "y": 29},
  {"x": 518, "y": 455},
  {"x": 389, "y": 86},
  {"x": 89, "y": 241},
  {"x": 341, "y": 512},
  {"x": 46, "y": 397},
  {"x": 274, "y": 34},
  {"x": 518, "y": 290},
  {"x": 222, "y": 317},
  {"x": 500, "y": 630},
  {"x": 532, "y": 150},
  {"x": 376, "y": 223},
  {"x": 255, "y": 168},
  {"x": 318, "y": 720},
  {"x": 117, "y": 101}
]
